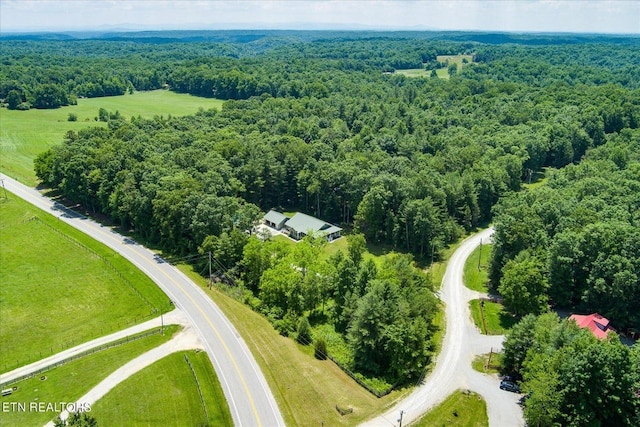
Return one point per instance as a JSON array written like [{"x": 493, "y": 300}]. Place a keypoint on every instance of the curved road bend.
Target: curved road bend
[
  {"x": 462, "y": 341},
  {"x": 250, "y": 401}
]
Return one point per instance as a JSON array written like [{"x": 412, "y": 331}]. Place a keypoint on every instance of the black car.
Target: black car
[{"x": 509, "y": 386}]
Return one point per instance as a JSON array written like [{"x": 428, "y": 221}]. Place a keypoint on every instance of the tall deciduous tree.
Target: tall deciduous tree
[
  {"x": 524, "y": 285},
  {"x": 13, "y": 99}
]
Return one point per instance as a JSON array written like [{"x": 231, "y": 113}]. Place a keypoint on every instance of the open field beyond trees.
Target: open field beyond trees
[
  {"x": 455, "y": 59},
  {"x": 61, "y": 288},
  {"x": 174, "y": 400},
  {"x": 442, "y": 72},
  {"x": 69, "y": 382},
  {"x": 25, "y": 134}
]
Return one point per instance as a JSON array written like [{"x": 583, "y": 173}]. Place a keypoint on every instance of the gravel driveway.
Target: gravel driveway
[{"x": 461, "y": 343}]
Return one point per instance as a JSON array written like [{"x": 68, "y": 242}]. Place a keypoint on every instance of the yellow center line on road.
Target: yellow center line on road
[
  {"x": 224, "y": 344},
  {"x": 110, "y": 236},
  {"x": 215, "y": 330}
]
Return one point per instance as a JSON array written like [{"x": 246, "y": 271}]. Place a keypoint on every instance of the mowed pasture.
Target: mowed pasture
[
  {"x": 455, "y": 59},
  {"x": 166, "y": 394},
  {"x": 461, "y": 409},
  {"x": 60, "y": 288},
  {"x": 25, "y": 134},
  {"x": 71, "y": 381},
  {"x": 443, "y": 72}
]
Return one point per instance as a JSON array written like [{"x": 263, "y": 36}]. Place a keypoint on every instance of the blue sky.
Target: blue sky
[{"x": 599, "y": 16}]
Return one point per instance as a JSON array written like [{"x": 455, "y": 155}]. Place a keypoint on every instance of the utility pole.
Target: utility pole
[
  {"x": 161, "y": 323},
  {"x": 400, "y": 419},
  {"x": 5, "y": 190},
  {"x": 433, "y": 246},
  {"x": 210, "y": 281}
]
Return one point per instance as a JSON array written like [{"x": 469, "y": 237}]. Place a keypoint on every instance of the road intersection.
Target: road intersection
[{"x": 461, "y": 343}]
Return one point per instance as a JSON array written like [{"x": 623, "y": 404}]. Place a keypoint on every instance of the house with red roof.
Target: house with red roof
[{"x": 598, "y": 325}]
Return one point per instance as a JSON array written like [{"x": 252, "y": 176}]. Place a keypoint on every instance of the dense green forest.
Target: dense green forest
[
  {"x": 320, "y": 123},
  {"x": 570, "y": 377},
  {"x": 575, "y": 242}
]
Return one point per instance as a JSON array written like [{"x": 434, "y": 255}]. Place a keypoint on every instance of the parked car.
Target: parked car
[{"x": 509, "y": 386}]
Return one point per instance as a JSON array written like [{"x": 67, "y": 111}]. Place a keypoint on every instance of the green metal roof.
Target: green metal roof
[
  {"x": 275, "y": 217},
  {"x": 303, "y": 223}
]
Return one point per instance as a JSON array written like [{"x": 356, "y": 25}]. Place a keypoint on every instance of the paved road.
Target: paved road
[
  {"x": 462, "y": 341},
  {"x": 248, "y": 395}
]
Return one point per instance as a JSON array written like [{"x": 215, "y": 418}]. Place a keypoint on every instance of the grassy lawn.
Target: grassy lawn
[
  {"x": 461, "y": 409},
  {"x": 441, "y": 322},
  {"x": 474, "y": 278},
  {"x": 25, "y": 134},
  {"x": 328, "y": 250},
  {"x": 69, "y": 382},
  {"x": 455, "y": 59},
  {"x": 56, "y": 293},
  {"x": 538, "y": 179},
  {"x": 414, "y": 72},
  {"x": 442, "y": 73},
  {"x": 497, "y": 320},
  {"x": 177, "y": 402},
  {"x": 481, "y": 363},
  {"x": 437, "y": 269},
  {"x": 307, "y": 390}
]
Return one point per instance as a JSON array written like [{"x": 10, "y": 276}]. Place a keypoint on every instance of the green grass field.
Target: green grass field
[
  {"x": 497, "y": 320},
  {"x": 461, "y": 409},
  {"x": 442, "y": 73},
  {"x": 329, "y": 249},
  {"x": 56, "y": 294},
  {"x": 165, "y": 394},
  {"x": 414, "y": 72},
  {"x": 474, "y": 278},
  {"x": 481, "y": 363},
  {"x": 69, "y": 382},
  {"x": 25, "y": 134},
  {"x": 538, "y": 179},
  {"x": 455, "y": 59}
]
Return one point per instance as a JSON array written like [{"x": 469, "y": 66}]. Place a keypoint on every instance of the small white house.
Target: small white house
[
  {"x": 275, "y": 219},
  {"x": 299, "y": 225}
]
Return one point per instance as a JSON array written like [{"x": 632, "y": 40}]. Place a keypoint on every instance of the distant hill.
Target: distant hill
[{"x": 248, "y": 36}]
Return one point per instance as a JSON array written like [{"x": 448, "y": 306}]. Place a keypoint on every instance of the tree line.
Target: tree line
[
  {"x": 53, "y": 73},
  {"x": 326, "y": 128}
]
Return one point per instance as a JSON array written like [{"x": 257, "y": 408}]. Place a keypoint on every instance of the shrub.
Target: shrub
[
  {"x": 304, "y": 331},
  {"x": 320, "y": 349}
]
